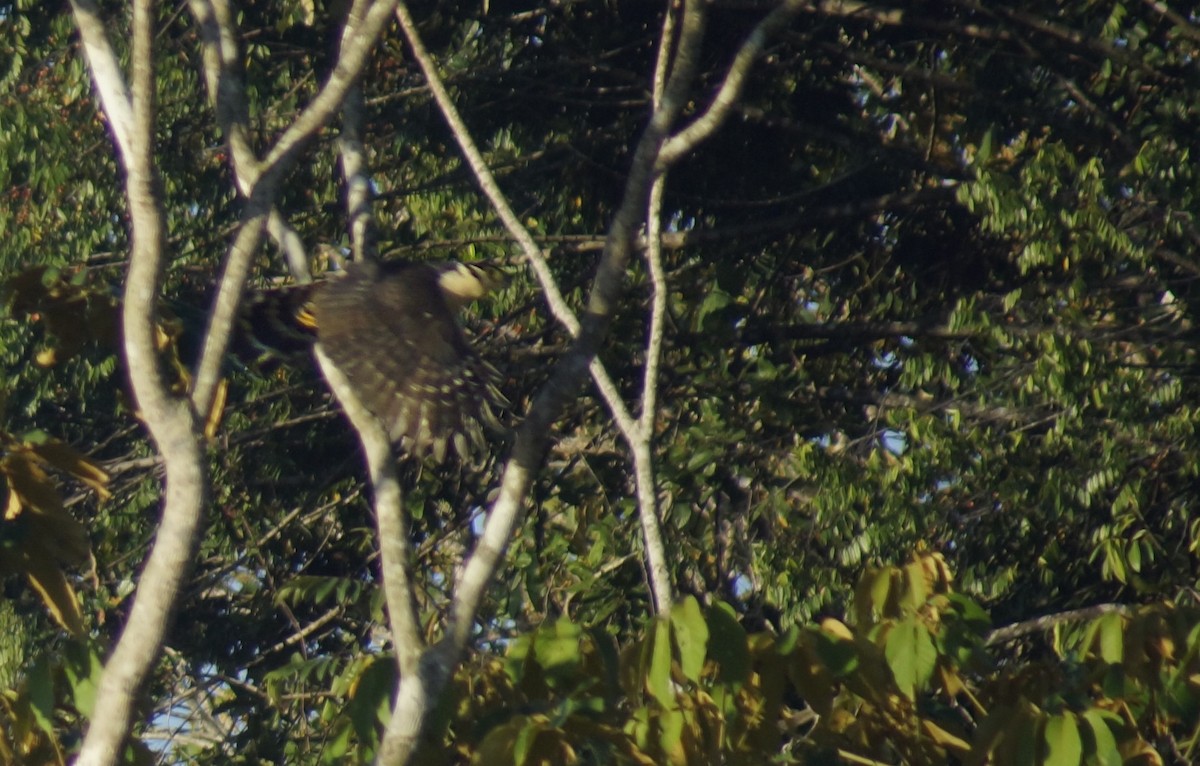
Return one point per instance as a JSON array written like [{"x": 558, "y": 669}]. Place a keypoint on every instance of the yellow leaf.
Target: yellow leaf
[
  {"x": 51, "y": 584},
  {"x": 69, "y": 460},
  {"x": 213, "y": 421},
  {"x": 12, "y": 506},
  {"x": 1162, "y": 646},
  {"x": 27, "y": 479},
  {"x": 836, "y": 628},
  {"x": 951, "y": 683},
  {"x": 50, "y": 526},
  {"x": 943, "y": 738}
]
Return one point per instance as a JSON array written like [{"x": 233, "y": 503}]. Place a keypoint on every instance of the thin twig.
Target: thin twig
[{"x": 731, "y": 86}]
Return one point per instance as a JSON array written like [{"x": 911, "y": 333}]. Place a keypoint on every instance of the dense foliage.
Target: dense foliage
[{"x": 930, "y": 369}]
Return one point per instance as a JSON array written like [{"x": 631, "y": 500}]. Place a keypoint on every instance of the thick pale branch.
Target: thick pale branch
[
  {"x": 354, "y": 171},
  {"x": 168, "y": 419},
  {"x": 354, "y": 166},
  {"x": 222, "y": 58},
  {"x": 223, "y": 314},
  {"x": 292, "y": 246},
  {"x": 366, "y": 23},
  {"x": 394, "y": 546},
  {"x": 106, "y": 73},
  {"x": 222, "y": 62}
]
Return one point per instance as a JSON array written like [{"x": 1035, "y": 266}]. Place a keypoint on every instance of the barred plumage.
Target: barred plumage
[{"x": 391, "y": 329}]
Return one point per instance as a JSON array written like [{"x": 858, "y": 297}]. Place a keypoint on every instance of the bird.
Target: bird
[{"x": 391, "y": 328}]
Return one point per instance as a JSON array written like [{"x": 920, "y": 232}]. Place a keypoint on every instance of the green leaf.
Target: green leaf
[
  {"x": 911, "y": 655},
  {"x": 985, "y": 147},
  {"x": 527, "y": 738},
  {"x": 371, "y": 702},
  {"x": 40, "y": 682},
  {"x": 338, "y": 746},
  {"x": 671, "y": 732},
  {"x": 1104, "y": 745},
  {"x": 691, "y": 637},
  {"x": 836, "y": 652},
  {"x": 556, "y": 647},
  {"x": 1064, "y": 746},
  {"x": 715, "y": 300},
  {"x": 82, "y": 667},
  {"x": 1112, "y": 637},
  {"x": 658, "y": 677},
  {"x": 727, "y": 644}
]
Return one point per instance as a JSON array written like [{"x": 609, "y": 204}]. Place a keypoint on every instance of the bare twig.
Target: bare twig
[
  {"x": 639, "y": 435},
  {"x": 487, "y": 182},
  {"x": 354, "y": 171},
  {"x": 221, "y": 66},
  {"x": 1046, "y": 622},
  {"x": 731, "y": 87},
  {"x": 641, "y": 438}
]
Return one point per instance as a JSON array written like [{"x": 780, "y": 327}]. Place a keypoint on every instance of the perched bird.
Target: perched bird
[{"x": 391, "y": 328}]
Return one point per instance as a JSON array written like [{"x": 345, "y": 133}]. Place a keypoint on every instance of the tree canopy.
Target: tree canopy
[{"x": 851, "y": 367}]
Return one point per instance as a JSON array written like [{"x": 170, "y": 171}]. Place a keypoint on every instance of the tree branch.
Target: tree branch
[
  {"x": 168, "y": 419},
  {"x": 639, "y": 436},
  {"x": 558, "y": 305},
  {"x": 222, "y": 57},
  {"x": 365, "y": 24},
  {"x": 731, "y": 87},
  {"x": 414, "y": 693},
  {"x": 394, "y": 545},
  {"x": 354, "y": 170},
  {"x": 1046, "y": 622}
]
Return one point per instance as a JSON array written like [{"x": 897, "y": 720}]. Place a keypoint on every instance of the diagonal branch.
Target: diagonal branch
[
  {"x": 218, "y": 35},
  {"x": 365, "y": 24},
  {"x": 354, "y": 171},
  {"x": 562, "y": 312},
  {"x": 114, "y": 93},
  {"x": 415, "y": 692},
  {"x": 170, "y": 421},
  {"x": 394, "y": 542},
  {"x": 731, "y": 87}
]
